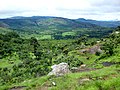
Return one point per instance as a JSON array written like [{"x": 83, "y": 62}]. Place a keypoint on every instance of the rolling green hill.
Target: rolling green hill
[
  {"x": 45, "y": 23},
  {"x": 25, "y": 63},
  {"x": 55, "y": 27}
]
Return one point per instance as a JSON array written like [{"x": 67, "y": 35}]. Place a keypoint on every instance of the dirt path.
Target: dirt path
[
  {"x": 85, "y": 70},
  {"x": 18, "y": 88}
]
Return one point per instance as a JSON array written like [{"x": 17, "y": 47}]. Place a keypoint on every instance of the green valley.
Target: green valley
[
  {"x": 54, "y": 27},
  {"x": 30, "y": 47},
  {"x": 25, "y": 62}
]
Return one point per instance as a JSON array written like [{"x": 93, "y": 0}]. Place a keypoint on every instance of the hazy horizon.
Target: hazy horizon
[
  {"x": 55, "y": 16},
  {"x": 104, "y": 10}
]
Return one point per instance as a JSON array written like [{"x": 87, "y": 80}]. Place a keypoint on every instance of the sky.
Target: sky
[{"x": 73, "y": 9}]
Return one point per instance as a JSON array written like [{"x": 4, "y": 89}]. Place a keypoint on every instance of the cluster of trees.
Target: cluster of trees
[
  {"x": 29, "y": 58},
  {"x": 92, "y": 33},
  {"x": 27, "y": 53},
  {"x": 111, "y": 42}
]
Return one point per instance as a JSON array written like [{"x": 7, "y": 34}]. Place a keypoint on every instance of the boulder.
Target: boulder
[
  {"x": 60, "y": 69},
  {"x": 83, "y": 66},
  {"x": 74, "y": 69},
  {"x": 95, "y": 49},
  {"x": 92, "y": 50}
]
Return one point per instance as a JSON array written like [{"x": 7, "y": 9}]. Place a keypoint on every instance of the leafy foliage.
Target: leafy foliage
[{"x": 22, "y": 59}]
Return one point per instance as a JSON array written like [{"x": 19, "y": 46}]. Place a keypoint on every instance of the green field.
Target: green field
[{"x": 68, "y": 33}]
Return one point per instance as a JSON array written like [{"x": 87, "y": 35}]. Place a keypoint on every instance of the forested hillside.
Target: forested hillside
[
  {"x": 53, "y": 27},
  {"x": 23, "y": 62}
]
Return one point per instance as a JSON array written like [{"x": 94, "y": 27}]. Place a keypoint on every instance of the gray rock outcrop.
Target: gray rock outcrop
[
  {"x": 92, "y": 50},
  {"x": 60, "y": 69}
]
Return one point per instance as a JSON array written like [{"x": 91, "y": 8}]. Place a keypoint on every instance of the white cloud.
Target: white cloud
[{"x": 92, "y": 9}]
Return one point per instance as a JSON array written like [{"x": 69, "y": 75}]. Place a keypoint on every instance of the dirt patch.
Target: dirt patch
[
  {"x": 106, "y": 64},
  {"x": 110, "y": 76},
  {"x": 85, "y": 70},
  {"x": 47, "y": 85},
  {"x": 18, "y": 88},
  {"x": 84, "y": 80},
  {"x": 42, "y": 88}
]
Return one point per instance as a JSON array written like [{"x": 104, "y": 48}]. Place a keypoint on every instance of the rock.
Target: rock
[
  {"x": 60, "y": 69},
  {"x": 95, "y": 49},
  {"x": 83, "y": 66},
  {"x": 92, "y": 50},
  {"x": 53, "y": 83},
  {"x": 74, "y": 69}
]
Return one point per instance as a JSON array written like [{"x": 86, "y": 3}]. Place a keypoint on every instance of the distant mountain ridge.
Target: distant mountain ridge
[
  {"x": 34, "y": 20},
  {"x": 44, "y": 22},
  {"x": 100, "y": 23},
  {"x": 48, "y": 25}
]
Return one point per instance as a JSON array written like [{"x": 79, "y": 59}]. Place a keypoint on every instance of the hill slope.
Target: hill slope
[
  {"x": 44, "y": 23},
  {"x": 23, "y": 62},
  {"x": 53, "y": 26}
]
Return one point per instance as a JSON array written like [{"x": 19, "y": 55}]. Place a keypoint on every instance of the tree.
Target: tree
[
  {"x": 82, "y": 39},
  {"x": 34, "y": 42},
  {"x": 8, "y": 36}
]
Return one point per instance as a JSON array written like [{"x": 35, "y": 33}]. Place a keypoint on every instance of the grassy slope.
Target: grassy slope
[{"x": 106, "y": 78}]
